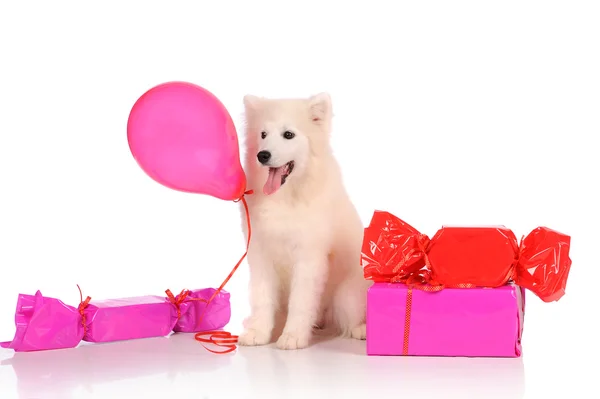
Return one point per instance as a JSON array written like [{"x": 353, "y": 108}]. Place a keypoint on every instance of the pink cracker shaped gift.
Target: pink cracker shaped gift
[{"x": 44, "y": 323}]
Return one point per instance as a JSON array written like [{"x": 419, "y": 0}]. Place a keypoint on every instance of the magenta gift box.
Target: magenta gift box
[{"x": 469, "y": 322}]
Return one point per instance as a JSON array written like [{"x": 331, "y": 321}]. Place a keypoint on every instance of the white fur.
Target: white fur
[{"x": 304, "y": 254}]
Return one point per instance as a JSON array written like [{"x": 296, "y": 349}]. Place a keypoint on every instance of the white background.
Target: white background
[{"x": 462, "y": 112}]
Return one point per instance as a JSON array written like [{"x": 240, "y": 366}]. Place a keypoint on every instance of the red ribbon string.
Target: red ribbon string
[
  {"x": 407, "y": 315},
  {"x": 422, "y": 281},
  {"x": 81, "y": 308},
  {"x": 218, "y": 338},
  {"x": 224, "y": 338}
]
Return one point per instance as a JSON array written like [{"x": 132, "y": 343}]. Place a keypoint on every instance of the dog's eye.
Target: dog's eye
[
  {"x": 263, "y": 135},
  {"x": 288, "y": 135}
]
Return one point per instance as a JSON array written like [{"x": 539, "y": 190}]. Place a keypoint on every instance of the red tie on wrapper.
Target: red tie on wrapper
[
  {"x": 465, "y": 257},
  {"x": 81, "y": 309}
]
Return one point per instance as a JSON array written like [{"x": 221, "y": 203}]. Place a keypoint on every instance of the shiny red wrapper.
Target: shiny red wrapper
[{"x": 463, "y": 257}]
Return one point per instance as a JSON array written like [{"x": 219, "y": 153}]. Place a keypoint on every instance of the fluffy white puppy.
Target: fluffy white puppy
[{"x": 304, "y": 255}]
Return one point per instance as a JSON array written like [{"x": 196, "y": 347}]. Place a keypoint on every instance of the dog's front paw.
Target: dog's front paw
[
  {"x": 292, "y": 341},
  {"x": 253, "y": 337},
  {"x": 359, "y": 332}
]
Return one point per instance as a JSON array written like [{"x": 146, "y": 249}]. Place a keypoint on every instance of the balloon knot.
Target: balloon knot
[{"x": 243, "y": 195}]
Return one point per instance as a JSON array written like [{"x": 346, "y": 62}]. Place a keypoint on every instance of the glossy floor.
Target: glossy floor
[{"x": 178, "y": 365}]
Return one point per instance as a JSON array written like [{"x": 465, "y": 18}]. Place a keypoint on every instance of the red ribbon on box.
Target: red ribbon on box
[{"x": 465, "y": 257}]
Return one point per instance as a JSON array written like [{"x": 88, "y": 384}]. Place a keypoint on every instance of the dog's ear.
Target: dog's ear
[
  {"x": 251, "y": 102},
  {"x": 320, "y": 107}
]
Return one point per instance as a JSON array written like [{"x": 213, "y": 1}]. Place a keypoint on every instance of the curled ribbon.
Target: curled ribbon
[{"x": 218, "y": 338}]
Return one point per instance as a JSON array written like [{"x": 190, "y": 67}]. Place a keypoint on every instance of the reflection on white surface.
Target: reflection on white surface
[
  {"x": 341, "y": 366},
  {"x": 179, "y": 365},
  {"x": 76, "y": 373}
]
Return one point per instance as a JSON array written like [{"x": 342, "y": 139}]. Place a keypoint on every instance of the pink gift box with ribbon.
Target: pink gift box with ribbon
[{"x": 469, "y": 322}]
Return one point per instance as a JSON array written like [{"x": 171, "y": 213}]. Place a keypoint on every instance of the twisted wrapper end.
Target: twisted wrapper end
[
  {"x": 392, "y": 250},
  {"x": 543, "y": 264}
]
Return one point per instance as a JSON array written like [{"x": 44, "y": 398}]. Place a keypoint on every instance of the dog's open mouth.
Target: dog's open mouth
[{"x": 277, "y": 177}]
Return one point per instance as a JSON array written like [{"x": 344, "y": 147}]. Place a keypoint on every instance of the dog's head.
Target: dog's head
[{"x": 285, "y": 135}]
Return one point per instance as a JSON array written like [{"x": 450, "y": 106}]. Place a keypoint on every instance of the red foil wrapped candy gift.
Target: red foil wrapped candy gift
[
  {"x": 44, "y": 323},
  {"x": 464, "y": 257}
]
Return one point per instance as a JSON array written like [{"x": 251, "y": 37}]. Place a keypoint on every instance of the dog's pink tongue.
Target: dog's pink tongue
[{"x": 273, "y": 181}]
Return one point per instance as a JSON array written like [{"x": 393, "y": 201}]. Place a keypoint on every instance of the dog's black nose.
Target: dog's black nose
[{"x": 263, "y": 157}]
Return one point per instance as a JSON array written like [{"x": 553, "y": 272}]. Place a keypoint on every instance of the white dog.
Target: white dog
[{"x": 304, "y": 254}]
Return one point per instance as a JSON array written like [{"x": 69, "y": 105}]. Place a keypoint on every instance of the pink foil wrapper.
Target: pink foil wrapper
[
  {"x": 44, "y": 323},
  {"x": 216, "y": 316},
  {"x": 475, "y": 322}
]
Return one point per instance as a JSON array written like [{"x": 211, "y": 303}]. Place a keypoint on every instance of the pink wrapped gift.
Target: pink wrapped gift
[
  {"x": 475, "y": 322},
  {"x": 44, "y": 323}
]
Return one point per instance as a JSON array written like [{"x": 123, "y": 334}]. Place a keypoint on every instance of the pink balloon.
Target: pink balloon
[{"x": 182, "y": 136}]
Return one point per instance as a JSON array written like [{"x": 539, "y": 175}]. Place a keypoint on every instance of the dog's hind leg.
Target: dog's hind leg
[
  {"x": 349, "y": 307},
  {"x": 359, "y": 332}
]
